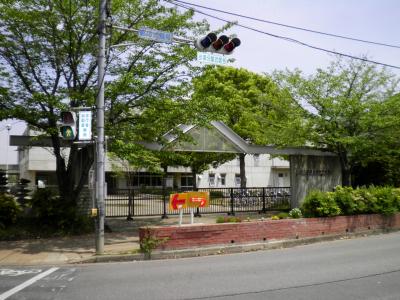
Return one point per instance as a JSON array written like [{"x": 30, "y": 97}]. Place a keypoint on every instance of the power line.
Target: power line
[
  {"x": 283, "y": 37},
  {"x": 290, "y": 26}
]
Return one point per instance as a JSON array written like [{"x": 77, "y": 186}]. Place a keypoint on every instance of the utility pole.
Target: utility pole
[
  {"x": 8, "y": 127},
  {"x": 100, "y": 164}
]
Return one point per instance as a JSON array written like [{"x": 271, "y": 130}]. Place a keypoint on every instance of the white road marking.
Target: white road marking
[
  {"x": 26, "y": 283},
  {"x": 11, "y": 272}
]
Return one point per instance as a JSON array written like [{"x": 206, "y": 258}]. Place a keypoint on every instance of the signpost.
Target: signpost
[
  {"x": 211, "y": 58},
  {"x": 155, "y": 35},
  {"x": 189, "y": 199},
  {"x": 85, "y": 125}
]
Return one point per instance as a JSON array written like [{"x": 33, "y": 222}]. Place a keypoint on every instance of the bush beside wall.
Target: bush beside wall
[{"x": 349, "y": 201}]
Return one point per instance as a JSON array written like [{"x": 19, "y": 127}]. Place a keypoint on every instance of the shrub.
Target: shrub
[
  {"x": 149, "y": 242},
  {"x": 56, "y": 215},
  {"x": 220, "y": 219},
  {"x": 283, "y": 215},
  {"x": 320, "y": 204},
  {"x": 344, "y": 198},
  {"x": 295, "y": 213},
  {"x": 9, "y": 210},
  {"x": 45, "y": 206},
  {"x": 274, "y": 218},
  {"x": 387, "y": 201},
  {"x": 230, "y": 219}
]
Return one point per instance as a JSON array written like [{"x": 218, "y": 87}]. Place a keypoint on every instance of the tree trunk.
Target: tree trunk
[
  {"x": 72, "y": 177},
  {"x": 194, "y": 179},
  {"x": 346, "y": 177},
  {"x": 346, "y": 168},
  {"x": 243, "y": 180}
]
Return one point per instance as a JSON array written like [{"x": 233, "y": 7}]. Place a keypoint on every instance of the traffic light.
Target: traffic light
[
  {"x": 212, "y": 43},
  {"x": 68, "y": 125}
]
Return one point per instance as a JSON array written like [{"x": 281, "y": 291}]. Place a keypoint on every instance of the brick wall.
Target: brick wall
[{"x": 197, "y": 235}]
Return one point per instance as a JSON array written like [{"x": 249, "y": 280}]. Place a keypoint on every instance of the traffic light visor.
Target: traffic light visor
[
  {"x": 208, "y": 40},
  {"x": 68, "y": 117}
]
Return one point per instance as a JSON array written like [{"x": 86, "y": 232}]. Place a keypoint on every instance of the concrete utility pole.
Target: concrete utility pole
[
  {"x": 8, "y": 127},
  {"x": 100, "y": 170}
]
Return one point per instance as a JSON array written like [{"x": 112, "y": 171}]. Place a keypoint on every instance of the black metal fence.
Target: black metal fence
[{"x": 155, "y": 202}]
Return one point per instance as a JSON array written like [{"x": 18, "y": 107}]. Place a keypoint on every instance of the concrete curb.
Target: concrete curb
[{"x": 228, "y": 249}]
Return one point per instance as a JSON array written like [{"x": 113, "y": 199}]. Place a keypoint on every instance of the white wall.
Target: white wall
[{"x": 260, "y": 172}]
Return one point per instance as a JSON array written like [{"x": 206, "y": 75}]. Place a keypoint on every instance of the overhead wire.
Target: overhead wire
[
  {"x": 290, "y": 26},
  {"x": 173, "y": 2}
]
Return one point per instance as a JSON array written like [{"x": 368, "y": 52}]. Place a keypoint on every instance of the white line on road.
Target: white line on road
[{"x": 26, "y": 283}]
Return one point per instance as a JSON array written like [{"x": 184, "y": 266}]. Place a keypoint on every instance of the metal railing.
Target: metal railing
[{"x": 155, "y": 202}]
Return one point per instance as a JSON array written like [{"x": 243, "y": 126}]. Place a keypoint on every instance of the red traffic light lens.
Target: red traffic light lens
[
  {"x": 235, "y": 42},
  {"x": 208, "y": 40},
  {"x": 222, "y": 40},
  {"x": 67, "y": 117}
]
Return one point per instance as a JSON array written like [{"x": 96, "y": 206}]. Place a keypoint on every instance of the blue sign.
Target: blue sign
[
  {"x": 155, "y": 35},
  {"x": 211, "y": 58}
]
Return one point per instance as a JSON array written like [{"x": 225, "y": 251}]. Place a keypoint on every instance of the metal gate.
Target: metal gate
[{"x": 130, "y": 203}]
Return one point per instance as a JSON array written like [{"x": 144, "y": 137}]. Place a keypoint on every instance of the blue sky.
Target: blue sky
[{"x": 375, "y": 20}]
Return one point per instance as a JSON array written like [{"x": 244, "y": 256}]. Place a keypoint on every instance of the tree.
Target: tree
[
  {"x": 340, "y": 103},
  {"x": 48, "y": 62},
  {"x": 377, "y": 158},
  {"x": 249, "y": 103}
]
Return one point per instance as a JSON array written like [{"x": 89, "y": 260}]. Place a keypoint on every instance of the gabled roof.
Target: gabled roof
[{"x": 220, "y": 138}]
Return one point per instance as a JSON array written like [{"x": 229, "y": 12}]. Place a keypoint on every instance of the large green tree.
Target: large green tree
[
  {"x": 345, "y": 109},
  {"x": 48, "y": 63},
  {"x": 249, "y": 103}
]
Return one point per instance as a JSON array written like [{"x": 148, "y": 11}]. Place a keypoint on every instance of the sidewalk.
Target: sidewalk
[
  {"x": 122, "y": 244},
  {"x": 122, "y": 240}
]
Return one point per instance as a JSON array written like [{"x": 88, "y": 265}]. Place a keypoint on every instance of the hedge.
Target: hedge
[{"x": 349, "y": 201}]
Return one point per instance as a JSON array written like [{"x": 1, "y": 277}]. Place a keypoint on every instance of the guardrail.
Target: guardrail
[{"x": 155, "y": 202}]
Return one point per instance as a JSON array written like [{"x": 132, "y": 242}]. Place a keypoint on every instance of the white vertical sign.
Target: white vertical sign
[{"x": 85, "y": 125}]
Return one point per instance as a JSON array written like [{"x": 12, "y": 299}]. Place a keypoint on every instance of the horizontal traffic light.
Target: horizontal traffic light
[{"x": 221, "y": 44}]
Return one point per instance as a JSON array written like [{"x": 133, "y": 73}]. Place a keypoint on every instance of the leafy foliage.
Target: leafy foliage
[
  {"x": 49, "y": 210},
  {"x": 295, "y": 213},
  {"x": 229, "y": 219},
  {"x": 320, "y": 204},
  {"x": 349, "y": 201},
  {"x": 9, "y": 210},
  {"x": 48, "y": 62},
  {"x": 148, "y": 242},
  {"x": 348, "y": 111},
  {"x": 249, "y": 103}
]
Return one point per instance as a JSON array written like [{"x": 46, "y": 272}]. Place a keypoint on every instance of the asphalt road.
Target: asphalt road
[{"x": 363, "y": 268}]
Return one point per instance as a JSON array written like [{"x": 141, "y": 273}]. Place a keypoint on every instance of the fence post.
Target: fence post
[
  {"x": 130, "y": 206},
  {"x": 164, "y": 192},
  {"x": 197, "y": 213},
  {"x": 232, "y": 212},
  {"x": 264, "y": 209}
]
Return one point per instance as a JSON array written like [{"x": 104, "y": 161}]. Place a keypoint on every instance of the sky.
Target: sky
[{"x": 373, "y": 20}]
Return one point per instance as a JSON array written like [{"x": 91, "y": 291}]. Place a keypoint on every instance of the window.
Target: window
[
  {"x": 237, "y": 180},
  {"x": 256, "y": 160},
  {"x": 145, "y": 180},
  {"x": 280, "y": 175},
  {"x": 211, "y": 179},
  {"x": 186, "y": 181},
  {"x": 223, "y": 179}
]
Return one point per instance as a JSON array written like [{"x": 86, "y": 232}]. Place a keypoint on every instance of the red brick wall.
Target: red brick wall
[{"x": 191, "y": 236}]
